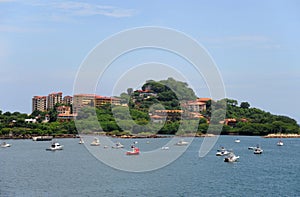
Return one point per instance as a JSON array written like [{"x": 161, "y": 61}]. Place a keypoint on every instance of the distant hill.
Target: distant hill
[{"x": 163, "y": 107}]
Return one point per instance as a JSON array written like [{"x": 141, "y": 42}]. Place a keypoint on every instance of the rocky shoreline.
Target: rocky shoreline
[
  {"x": 113, "y": 136},
  {"x": 20, "y": 137},
  {"x": 280, "y": 135},
  {"x": 277, "y": 135}
]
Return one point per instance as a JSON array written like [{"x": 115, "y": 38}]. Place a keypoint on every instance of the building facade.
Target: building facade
[
  {"x": 39, "y": 103},
  {"x": 68, "y": 100},
  {"x": 103, "y": 100},
  {"x": 53, "y": 99},
  {"x": 83, "y": 100}
]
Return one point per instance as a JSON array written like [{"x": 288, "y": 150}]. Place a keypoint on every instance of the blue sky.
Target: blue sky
[{"x": 255, "y": 44}]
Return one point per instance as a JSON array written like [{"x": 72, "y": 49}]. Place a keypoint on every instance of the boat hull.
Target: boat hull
[
  {"x": 132, "y": 153},
  {"x": 5, "y": 146},
  {"x": 42, "y": 138},
  {"x": 53, "y": 149}
]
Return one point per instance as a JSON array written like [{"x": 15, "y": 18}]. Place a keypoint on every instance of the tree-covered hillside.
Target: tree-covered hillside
[
  {"x": 158, "y": 107},
  {"x": 253, "y": 121}
]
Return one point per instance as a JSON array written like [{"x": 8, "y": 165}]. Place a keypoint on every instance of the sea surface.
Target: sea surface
[{"x": 27, "y": 169}]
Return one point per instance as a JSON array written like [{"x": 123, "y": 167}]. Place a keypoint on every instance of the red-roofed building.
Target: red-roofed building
[
  {"x": 92, "y": 100},
  {"x": 230, "y": 121},
  {"x": 53, "y": 99},
  {"x": 196, "y": 106},
  {"x": 82, "y": 100},
  {"x": 204, "y": 100},
  {"x": 39, "y": 103},
  {"x": 68, "y": 100},
  {"x": 63, "y": 109}
]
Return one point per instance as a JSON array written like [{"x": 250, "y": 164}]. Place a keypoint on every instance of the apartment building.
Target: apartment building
[
  {"x": 53, "y": 99},
  {"x": 82, "y": 100},
  {"x": 68, "y": 100},
  {"x": 39, "y": 103}
]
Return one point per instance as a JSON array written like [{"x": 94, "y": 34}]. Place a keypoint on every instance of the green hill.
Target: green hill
[{"x": 159, "y": 107}]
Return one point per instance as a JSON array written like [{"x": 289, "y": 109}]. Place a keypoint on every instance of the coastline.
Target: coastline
[
  {"x": 280, "y": 135},
  {"x": 24, "y": 137},
  {"x": 277, "y": 135}
]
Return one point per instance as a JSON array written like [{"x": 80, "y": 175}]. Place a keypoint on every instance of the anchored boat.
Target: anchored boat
[
  {"x": 231, "y": 158},
  {"x": 55, "y": 146},
  {"x": 95, "y": 142},
  {"x": 280, "y": 143},
  {"x": 5, "y": 145},
  {"x": 134, "y": 151}
]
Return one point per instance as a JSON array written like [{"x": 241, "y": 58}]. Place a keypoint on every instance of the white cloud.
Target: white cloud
[{"x": 89, "y": 9}]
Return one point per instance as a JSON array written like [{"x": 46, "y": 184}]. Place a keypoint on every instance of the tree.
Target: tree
[
  {"x": 245, "y": 105},
  {"x": 232, "y": 102},
  {"x": 129, "y": 91}
]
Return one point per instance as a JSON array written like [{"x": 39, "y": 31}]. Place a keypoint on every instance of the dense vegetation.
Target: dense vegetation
[
  {"x": 134, "y": 119},
  {"x": 13, "y": 124},
  {"x": 258, "y": 121}
]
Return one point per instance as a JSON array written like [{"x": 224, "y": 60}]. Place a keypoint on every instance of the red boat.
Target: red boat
[{"x": 135, "y": 151}]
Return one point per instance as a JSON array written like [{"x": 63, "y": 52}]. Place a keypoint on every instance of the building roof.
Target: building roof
[
  {"x": 55, "y": 93},
  {"x": 39, "y": 97},
  {"x": 86, "y": 95},
  {"x": 156, "y": 117},
  {"x": 203, "y": 99}
]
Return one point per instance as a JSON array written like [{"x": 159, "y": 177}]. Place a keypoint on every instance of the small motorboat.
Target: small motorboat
[
  {"x": 280, "y": 143},
  {"x": 251, "y": 147},
  {"x": 258, "y": 150},
  {"x": 182, "y": 143},
  {"x": 222, "y": 152},
  {"x": 237, "y": 141},
  {"x": 165, "y": 148},
  {"x": 42, "y": 138},
  {"x": 118, "y": 145},
  {"x": 55, "y": 146},
  {"x": 134, "y": 151},
  {"x": 81, "y": 141},
  {"x": 231, "y": 157},
  {"x": 5, "y": 145},
  {"x": 95, "y": 142}
]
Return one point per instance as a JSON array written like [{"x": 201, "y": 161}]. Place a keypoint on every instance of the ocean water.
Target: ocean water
[{"x": 27, "y": 169}]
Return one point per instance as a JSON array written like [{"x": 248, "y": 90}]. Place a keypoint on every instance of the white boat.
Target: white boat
[
  {"x": 231, "y": 157},
  {"x": 182, "y": 143},
  {"x": 118, "y": 145},
  {"x": 5, "y": 145},
  {"x": 81, "y": 141},
  {"x": 95, "y": 142},
  {"x": 165, "y": 148},
  {"x": 258, "y": 150},
  {"x": 280, "y": 143},
  {"x": 42, "y": 138},
  {"x": 55, "y": 146},
  {"x": 237, "y": 141},
  {"x": 251, "y": 147},
  {"x": 222, "y": 152}
]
